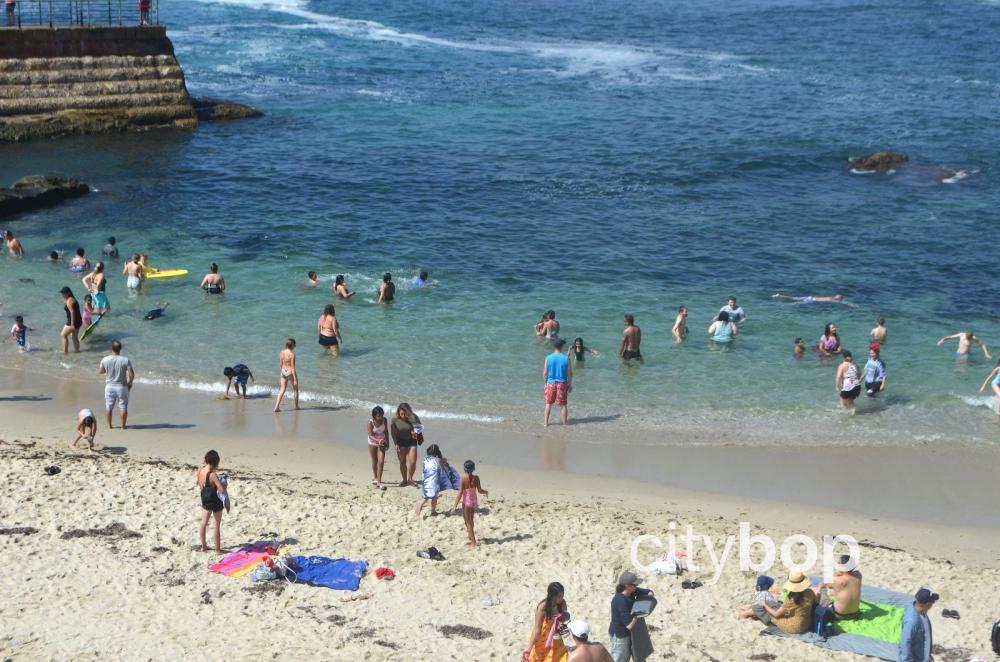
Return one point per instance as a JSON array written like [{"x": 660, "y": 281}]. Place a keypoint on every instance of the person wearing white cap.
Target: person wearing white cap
[{"x": 586, "y": 650}]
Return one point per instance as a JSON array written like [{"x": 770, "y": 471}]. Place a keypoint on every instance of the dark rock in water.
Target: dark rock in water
[
  {"x": 210, "y": 110},
  {"x": 880, "y": 161},
  {"x": 38, "y": 191}
]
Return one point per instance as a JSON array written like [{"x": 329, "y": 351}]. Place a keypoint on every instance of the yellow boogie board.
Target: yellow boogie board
[{"x": 166, "y": 273}]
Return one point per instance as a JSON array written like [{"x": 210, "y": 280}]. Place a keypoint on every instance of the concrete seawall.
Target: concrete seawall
[{"x": 77, "y": 80}]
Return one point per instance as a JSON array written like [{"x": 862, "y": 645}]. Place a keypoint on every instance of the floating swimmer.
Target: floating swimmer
[
  {"x": 159, "y": 311},
  {"x": 836, "y": 298}
]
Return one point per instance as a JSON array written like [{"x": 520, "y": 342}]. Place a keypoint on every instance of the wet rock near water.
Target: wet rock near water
[
  {"x": 209, "y": 109},
  {"x": 879, "y": 161},
  {"x": 37, "y": 192}
]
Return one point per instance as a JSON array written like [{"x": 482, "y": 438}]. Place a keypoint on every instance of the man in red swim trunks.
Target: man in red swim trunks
[{"x": 558, "y": 376}]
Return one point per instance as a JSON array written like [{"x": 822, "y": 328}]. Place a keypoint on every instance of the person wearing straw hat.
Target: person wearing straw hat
[
  {"x": 916, "y": 643},
  {"x": 585, "y": 650},
  {"x": 794, "y": 616}
]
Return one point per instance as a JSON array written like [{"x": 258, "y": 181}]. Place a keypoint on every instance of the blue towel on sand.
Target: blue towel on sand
[{"x": 340, "y": 574}]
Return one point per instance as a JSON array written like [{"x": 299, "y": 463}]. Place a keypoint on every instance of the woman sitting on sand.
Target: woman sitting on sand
[
  {"x": 545, "y": 642},
  {"x": 211, "y": 505},
  {"x": 794, "y": 615}
]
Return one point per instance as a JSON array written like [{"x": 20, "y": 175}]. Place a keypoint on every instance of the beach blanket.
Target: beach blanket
[
  {"x": 875, "y": 634},
  {"x": 244, "y": 560},
  {"x": 438, "y": 476},
  {"x": 340, "y": 574}
]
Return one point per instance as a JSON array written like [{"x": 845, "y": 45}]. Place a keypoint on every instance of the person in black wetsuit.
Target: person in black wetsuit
[
  {"x": 211, "y": 505},
  {"x": 73, "y": 321}
]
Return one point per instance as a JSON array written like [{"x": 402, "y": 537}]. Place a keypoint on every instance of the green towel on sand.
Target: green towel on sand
[{"x": 876, "y": 620}]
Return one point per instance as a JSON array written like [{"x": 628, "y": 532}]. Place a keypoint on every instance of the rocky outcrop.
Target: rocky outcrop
[
  {"x": 879, "y": 161},
  {"x": 217, "y": 110},
  {"x": 78, "y": 80},
  {"x": 38, "y": 191}
]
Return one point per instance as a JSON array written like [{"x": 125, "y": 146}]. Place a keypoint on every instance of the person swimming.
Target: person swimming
[
  {"x": 799, "y": 349},
  {"x": 111, "y": 248},
  {"x": 311, "y": 279},
  {"x": 159, "y": 311},
  {"x": 836, "y": 298},
  {"x": 578, "y": 351},
  {"x": 419, "y": 281}
]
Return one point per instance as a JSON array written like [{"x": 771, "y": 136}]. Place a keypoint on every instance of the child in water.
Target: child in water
[
  {"x": 86, "y": 428},
  {"x": 312, "y": 280},
  {"x": 378, "y": 443},
  {"x": 19, "y": 332},
  {"x": 800, "y": 348},
  {"x": 87, "y": 313},
  {"x": 467, "y": 495}
]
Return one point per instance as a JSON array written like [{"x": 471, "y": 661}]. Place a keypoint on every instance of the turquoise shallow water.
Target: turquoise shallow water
[{"x": 559, "y": 155}]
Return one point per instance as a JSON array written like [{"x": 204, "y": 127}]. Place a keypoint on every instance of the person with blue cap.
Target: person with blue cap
[{"x": 916, "y": 643}]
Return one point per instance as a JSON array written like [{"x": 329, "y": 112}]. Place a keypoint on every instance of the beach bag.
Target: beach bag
[
  {"x": 823, "y": 619},
  {"x": 263, "y": 573},
  {"x": 995, "y": 637}
]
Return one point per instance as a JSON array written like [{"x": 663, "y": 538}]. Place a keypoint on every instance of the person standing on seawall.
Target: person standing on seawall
[
  {"x": 118, "y": 379},
  {"x": 11, "y": 19},
  {"x": 557, "y": 374},
  {"x": 144, "y": 6}
]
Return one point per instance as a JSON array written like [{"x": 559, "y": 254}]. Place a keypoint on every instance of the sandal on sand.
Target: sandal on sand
[
  {"x": 691, "y": 583},
  {"x": 355, "y": 598},
  {"x": 951, "y": 613}
]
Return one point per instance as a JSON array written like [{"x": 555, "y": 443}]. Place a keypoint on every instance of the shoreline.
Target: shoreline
[{"x": 912, "y": 488}]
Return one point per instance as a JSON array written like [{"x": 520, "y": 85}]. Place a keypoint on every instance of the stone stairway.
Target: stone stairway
[{"x": 66, "y": 81}]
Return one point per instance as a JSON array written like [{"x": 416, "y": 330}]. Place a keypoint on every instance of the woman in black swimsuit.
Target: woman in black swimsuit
[
  {"x": 211, "y": 504},
  {"x": 578, "y": 351},
  {"x": 71, "y": 330},
  {"x": 406, "y": 444}
]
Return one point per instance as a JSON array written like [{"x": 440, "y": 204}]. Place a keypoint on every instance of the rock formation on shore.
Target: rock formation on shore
[
  {"x": 214, "y": 110},
  {"x": 879, "y": 161},
  {"x": 38, "y": 191},
  {"x": 85, "y": 80}
]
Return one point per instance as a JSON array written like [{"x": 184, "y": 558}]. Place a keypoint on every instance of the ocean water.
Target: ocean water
[{"x": 590, "y": 157}]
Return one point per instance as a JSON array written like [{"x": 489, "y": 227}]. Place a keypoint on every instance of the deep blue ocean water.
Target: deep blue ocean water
[{"x": 591, "y": 157}]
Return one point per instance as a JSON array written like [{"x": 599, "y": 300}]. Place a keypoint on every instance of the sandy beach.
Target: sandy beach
[{"x": 142, "y": 590}]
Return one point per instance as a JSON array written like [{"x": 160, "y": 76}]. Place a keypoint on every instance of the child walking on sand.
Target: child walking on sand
[
  {"x": 86, "y": 428},
  {"x": 378, "y": 443},
  {"x": 467, "y": 494}
]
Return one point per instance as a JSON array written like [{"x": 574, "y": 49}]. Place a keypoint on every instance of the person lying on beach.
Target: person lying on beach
[
  {"x": 340, "y": 287},
  {"x": 966, "y": 339},
  {"x": 208, "y": 481},
  {"x": 14, "y": 247},
  {"x": 311, "y": 279},
  {"x": 468, "y": 492},
  {"x": 799, "y": 348},
  {"x": 836, "y": 298},
  {"x": 86, "y": 428},
  {"x": 879, "y": 333},
  {"x": 845, "y": 588},
  {"x": 240, "y": 373},
  {"x": 680, "y": 328},
  {"x": 994, "y": 380},
  {"x": 829, "y": 342}
]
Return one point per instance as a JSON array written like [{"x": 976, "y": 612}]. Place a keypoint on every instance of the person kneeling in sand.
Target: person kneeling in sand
[
  {"x": 86, "y": 428},
  {"x": 585, "y": 650}
]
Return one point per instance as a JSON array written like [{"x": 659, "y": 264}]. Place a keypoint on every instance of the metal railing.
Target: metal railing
[{"x": 55, "y": 13}]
